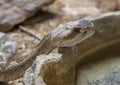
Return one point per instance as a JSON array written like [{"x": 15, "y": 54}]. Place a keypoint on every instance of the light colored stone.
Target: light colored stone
[
  {"x": 33, "y": 74},
  {"x": 107, "y": 5},
  {"x": 7, "y": 50}
]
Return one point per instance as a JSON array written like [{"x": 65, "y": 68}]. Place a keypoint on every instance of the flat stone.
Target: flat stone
[{"x": 16, "y": 11}]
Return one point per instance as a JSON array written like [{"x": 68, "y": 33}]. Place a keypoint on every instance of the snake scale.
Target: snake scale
[{"x": 67, "y": 35}]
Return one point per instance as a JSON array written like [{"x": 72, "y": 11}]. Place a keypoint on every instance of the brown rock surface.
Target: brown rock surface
[
  {"x": 33, "y": 75},
  {"x": 7, "y": 50},
  {"x": 107, "y": 5}
]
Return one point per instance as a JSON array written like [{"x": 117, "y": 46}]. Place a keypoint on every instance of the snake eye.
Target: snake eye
[{"x": 77, "y": 30}]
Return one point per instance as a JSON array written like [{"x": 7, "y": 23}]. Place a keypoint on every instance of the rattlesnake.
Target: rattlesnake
[{"x": 67, "y": 35}]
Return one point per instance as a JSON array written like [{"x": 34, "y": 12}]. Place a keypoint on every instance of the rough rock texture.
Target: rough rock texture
[
  {"x": 7, "y": 50},
  {"x": 33, "y": 74},
  {"x": 15, "y": 11},
  {"x": 107, "y": 5},
  {"x": 68, "y": 69},
  {"x": 83, "y": 8},
  {"x": 101, "y": 72}
]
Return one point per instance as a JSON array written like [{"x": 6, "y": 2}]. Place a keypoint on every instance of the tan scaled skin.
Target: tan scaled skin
[{"x": 68, "y": 35}]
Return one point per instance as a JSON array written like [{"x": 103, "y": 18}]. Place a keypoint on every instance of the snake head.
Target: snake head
[{"x": 74, "y": 32}]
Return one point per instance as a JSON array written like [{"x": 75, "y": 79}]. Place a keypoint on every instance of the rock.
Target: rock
[
  {"x": 79, "y": 8},
  {"x": 16, "y": 11},
  {"x": 7, "y": 50},
  {"x": 3, "y": 83},
  {"x": 118, "y": 4},
  {"x": 107, "y": 5},
  {"x": 80, "y": 11},
  {"x": 33, "y": 74},
  {"x": 83, "y": 8}
]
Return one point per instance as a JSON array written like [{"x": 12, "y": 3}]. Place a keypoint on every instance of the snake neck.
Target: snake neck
[{"x": 16, "y": 71}]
